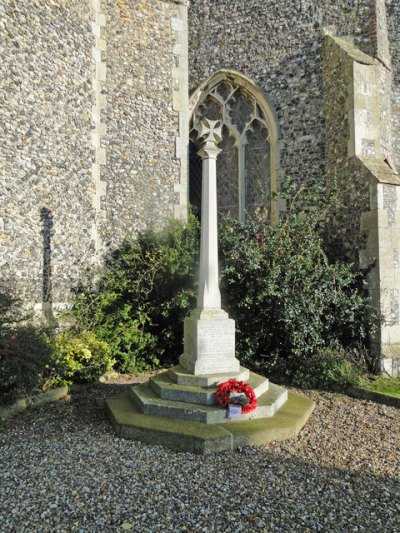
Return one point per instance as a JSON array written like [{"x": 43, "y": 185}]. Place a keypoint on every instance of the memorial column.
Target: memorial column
[{"x": 209, "y": 334}]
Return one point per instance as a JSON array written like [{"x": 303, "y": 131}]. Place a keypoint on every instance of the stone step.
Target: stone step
[
  {"x": 167, "y": 389},
  {"x": 183, "y": 377},
  {"x": 150, "y": 404},
  {"x": 130, "y": 423}
]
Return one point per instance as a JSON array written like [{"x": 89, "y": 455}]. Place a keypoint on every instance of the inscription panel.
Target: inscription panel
[
  {"x": 208, "y": 366},
  {"x": 214, "y": 338}
]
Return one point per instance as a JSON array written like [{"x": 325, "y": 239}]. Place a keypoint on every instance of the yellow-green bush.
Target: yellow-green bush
[{"x": 81, "y": 356}]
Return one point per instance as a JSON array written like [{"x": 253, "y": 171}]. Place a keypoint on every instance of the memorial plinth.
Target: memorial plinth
[
  {"x": 178, "y": 408},
  {"x": 209, "y": 343}
]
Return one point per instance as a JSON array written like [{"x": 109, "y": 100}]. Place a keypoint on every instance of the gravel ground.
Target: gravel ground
[{"x": 63, "y": 469}]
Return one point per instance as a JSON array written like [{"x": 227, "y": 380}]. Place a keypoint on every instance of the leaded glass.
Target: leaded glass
[
  {"x": 257, "y": 165},
  {"x": 227, "y": 175},
  {"x": 240, "y": 108},
  {"x": 244, "y": 165},
  {"x": 195, "y": 173},
  {"x": 210, "y": 109},
  {"x": 224, "y": 89}
]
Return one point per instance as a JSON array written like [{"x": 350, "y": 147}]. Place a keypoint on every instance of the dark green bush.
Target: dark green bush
[
  {"x": 330, "y": 368},
  {"x": 25, "y": 350},
  {"x": 294, "y": 309},
  {"x": 141, "y": 296},
  {"x": 290, "y": 303}
]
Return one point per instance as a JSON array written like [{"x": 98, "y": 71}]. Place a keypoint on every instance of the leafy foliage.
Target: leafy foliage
[
  {"x": 25, "y": 350},
  {"x": 81, "y": 357},
  {"x": 330, "y": 368},
  {"x": 290, "y": 303},
  {"x": 298, "y": 316},
  {"x": 141, "y": 296}
]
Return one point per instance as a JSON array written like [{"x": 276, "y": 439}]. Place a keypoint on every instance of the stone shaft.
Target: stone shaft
[
  {"x": 209, "y": 334},
  {"x": 209, "y": 294}
]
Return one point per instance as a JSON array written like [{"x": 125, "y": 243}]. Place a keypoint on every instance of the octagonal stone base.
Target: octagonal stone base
[
  {"x": 187, "y": 417},
  {"x": 196, "y": 437}
]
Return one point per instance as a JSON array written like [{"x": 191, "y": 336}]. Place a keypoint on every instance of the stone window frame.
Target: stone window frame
[{"x": 239, "y": 80}]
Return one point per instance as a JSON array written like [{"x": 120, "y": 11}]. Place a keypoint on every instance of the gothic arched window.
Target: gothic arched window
[{"x": 245, "y": 167}]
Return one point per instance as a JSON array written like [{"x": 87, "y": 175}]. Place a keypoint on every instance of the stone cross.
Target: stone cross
[
  {"x": 210, "y": 131},
  {"x": 209, "y": 334}
]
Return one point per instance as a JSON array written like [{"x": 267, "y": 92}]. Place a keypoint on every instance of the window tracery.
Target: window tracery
[{"x": 245, "y": 163}]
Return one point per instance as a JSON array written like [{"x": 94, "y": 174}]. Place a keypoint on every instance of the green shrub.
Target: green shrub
[
  {"x": 289, "y": 302},
  {"x": 80, "y": 357},
  {"x": 329, "y": 368},
  {"x": 139, "y": 299},
  {"x": 292, "y": 306},
  {"x": 25, "y": 350}
]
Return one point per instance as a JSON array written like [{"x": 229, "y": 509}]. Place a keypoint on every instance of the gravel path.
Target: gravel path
[{"x": 63, "y": 469}]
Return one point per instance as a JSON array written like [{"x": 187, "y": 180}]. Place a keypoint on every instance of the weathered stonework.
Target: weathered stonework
[
  {"x": 278, "y": 46},
  {"x": 94, "y": 141},
  {"x": 284, "y": 59},
  {"x": 99, "y": 104},
  {"x": 180, "y": 80},
  {"x": 94, "y": 117},
  {"x": 145, "y": 43},
  {"x": 358, "y": 148},
  {"x": 394, "y": 44},
  {"x": 381, "y": 252},
  {"x": 45, "y": 148},
  {"x": 343, "y": 236}
]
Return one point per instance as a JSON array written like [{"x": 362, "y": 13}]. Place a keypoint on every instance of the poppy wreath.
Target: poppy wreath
[{"x": 232, "y": 385}]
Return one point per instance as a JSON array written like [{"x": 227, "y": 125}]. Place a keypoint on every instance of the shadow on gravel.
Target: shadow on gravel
[{"x": 64, "y": 469}]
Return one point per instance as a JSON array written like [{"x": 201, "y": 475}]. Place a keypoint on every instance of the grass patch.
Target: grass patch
[{"x": 390, "y": 386}]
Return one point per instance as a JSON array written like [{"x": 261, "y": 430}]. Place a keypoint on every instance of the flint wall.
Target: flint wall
[{"x": 93, "y": 99}]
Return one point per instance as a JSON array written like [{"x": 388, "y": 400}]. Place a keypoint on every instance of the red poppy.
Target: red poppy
[{"x": 225, "y": 388}]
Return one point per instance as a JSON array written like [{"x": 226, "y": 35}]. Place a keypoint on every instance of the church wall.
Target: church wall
[
  {"x": 393, "y": 10},
  {"x": 146, "y": 96},
  {"x": 45, "y": 150},
  {"x": 93, "y": 134},
  {"x": 346, "y": 176},
  {"x": 279, "y": 46}
]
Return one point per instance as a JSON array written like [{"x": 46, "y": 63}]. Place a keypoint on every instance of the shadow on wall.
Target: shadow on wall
[{"x": 46, "y": 219}]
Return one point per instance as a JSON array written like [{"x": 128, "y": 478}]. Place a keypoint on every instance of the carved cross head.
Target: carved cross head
[{"x": 210, "y": 130}]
